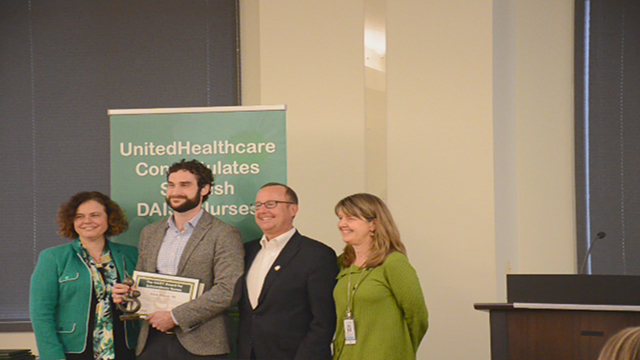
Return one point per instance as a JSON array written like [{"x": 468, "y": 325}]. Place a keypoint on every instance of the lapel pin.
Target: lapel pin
[{"x": 277, "y": 268}]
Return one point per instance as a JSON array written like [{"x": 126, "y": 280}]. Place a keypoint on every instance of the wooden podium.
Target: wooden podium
[{"x": 561, "y": 317}]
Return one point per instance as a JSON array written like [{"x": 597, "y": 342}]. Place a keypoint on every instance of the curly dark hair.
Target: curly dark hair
[
  {"x": 67, "y": 212},
  {"x": 203, "y": 174}
]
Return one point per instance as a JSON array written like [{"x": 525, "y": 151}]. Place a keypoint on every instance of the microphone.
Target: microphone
[{"x": 600, "y": 235}]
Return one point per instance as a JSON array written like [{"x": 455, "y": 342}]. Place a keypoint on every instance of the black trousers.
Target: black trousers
[{"x": 162, "y": 346}]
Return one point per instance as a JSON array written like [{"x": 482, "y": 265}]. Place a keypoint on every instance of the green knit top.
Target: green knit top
[{"x": 388, "y": 309}]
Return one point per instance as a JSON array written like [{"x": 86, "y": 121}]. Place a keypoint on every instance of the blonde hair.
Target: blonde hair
[
  {"x": 386, "y": 237},
  {"x": 625, "y": 345}
]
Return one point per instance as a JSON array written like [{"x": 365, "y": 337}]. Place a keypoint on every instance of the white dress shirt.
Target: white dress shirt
[{"x": 262, "y": 263}]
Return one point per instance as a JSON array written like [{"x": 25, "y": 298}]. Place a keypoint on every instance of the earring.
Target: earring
[{"x": 372, "y": 233}]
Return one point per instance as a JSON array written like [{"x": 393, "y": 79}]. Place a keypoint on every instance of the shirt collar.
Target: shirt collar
[
  {"x": 281, "y": 240},
  {"x": 171, "y": 224}
]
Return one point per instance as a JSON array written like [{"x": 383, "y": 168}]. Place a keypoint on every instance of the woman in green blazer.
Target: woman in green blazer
[
  {"x": 379, "y": 303},
  {"x": 71, "y": 308}
]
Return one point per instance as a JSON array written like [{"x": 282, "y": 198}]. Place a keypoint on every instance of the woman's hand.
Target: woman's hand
[{"x": 119, "y": 291}]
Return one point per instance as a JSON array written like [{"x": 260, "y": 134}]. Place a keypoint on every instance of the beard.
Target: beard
[{"x": 188, "y": 204}]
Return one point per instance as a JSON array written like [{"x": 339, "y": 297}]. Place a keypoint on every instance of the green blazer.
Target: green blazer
[{"x": 60, "y": 298}]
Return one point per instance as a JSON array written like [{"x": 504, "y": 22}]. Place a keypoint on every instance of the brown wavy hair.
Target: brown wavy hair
[
  {"x": 625, "y": 345},
  {"x": 117, "y": 220},
  {"x": 386, "y": 237}
]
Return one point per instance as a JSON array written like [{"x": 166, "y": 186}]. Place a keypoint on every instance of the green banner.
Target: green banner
[{"x": 245, "y": 147}]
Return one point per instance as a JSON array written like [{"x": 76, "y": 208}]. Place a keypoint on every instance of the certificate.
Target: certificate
[{"x": 160, "y": 292}]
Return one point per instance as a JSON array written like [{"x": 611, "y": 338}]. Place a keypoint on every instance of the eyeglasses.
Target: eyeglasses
[{"x": 269, "y": 204}]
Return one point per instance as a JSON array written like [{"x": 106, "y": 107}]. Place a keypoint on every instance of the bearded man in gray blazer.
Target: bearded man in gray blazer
[{"x": 191, "y": 243}]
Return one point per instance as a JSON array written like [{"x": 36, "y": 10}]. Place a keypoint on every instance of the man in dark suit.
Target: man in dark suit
[
  {"x": 286, "y": 309},
  {"x": 191, "y": 243}
]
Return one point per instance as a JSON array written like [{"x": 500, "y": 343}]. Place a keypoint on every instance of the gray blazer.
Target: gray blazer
[{"x": 215, "y": 255}]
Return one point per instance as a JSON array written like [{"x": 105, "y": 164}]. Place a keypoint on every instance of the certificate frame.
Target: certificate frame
[{"x": 160, "y": 292}]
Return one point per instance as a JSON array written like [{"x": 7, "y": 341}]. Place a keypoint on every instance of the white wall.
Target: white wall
[
  {"x": 544, "y": 135},
  {"x": 533, "y": 138},
  {"x": 311, "y": 59},
  {"x": 479, "y": 138},
  {"x": 21, "y": 340},
  {"x": 441, "y": 163}
]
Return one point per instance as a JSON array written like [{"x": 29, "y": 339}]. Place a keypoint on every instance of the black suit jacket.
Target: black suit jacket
[{"x": 295, "y": 317}]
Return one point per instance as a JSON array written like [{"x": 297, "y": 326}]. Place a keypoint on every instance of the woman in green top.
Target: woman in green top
[
  {"x": 70, "y": 303},
  {"x": 379, "y": 302}
]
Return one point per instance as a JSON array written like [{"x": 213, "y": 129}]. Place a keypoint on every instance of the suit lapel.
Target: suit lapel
[
  {"x": 198, "y": 234},
  {"x": 118, "y": 259},
  {"x": 250, "y": 255},
  {"x": 280, "y": 264},
  {"x": 154, "y": 242},
  {"x": 250, "y": 251}
]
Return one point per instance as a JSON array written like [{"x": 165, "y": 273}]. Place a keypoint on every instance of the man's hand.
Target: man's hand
[
  {"x": 118, "y": 290},
  {"x": 161, "y": 320}
]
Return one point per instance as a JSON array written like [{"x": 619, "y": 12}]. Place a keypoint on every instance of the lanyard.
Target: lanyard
[{"x": 352, "y": 292}]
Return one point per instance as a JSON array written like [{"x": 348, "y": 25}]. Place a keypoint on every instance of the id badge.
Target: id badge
[{"x": 349, "y": 331}]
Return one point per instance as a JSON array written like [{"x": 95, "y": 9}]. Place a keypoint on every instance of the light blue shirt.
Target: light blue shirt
[{"x": 173, "y": 245}]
